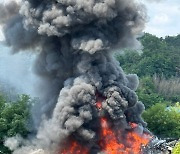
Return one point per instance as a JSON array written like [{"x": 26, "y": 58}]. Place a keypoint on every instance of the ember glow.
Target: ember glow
[
  {"x": 74, "y": 147},
  {"x": 112, "y": 141},
  {"x": 132, "y": 143}
]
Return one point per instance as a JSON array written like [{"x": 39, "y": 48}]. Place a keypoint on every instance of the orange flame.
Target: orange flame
[
  {"x": 99, "y": 105},
  {"x": 109, "y": 141},
  {"x": 74, "y": 148}
]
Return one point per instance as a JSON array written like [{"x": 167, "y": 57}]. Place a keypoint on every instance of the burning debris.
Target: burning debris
[
  {"x": 160, "y": 146},
  {"x": 111, "y": 138},
  {"x": 89, "y": 104}
]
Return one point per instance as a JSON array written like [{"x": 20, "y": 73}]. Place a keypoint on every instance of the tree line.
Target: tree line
[{"x": 158, "y": 68}]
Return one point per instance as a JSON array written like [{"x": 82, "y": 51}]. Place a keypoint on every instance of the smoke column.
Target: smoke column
[{"x": 75, "y": 41}]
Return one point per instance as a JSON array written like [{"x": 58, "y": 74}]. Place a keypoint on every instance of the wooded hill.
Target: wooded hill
[{"x": 158, "y": 68}]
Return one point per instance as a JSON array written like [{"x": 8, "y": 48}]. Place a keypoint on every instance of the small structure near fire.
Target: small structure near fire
[{"x": 157, "y": 146}]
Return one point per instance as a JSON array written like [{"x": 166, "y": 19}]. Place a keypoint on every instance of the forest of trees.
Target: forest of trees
[
  {"x": 158, "y": 68},
  {"x": 14, "y": 118}
]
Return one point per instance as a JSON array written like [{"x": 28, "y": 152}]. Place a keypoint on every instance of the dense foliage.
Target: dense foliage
[
  {"x": 158, "y": 68},
  {"x": 176, "y": 149},
  {"x": 163, "y": 120},
  {"x": 147, "y": 92},
  {"x": 159, "y": 56},
  {"x": 13, "y": 119}
]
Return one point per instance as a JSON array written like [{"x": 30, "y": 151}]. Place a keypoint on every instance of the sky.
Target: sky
[
  {"x": 16, "y": 72},
  {"x": 163, "y": 17}
]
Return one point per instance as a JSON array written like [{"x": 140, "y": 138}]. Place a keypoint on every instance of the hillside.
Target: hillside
[
  {"x": 159, "y": 56},
  {"x": 158, "y": 68}
]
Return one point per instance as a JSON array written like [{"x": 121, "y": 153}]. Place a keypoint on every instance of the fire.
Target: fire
[
  {"x": 99, "y": 101},
  {"x": 110, "y": 144},
  {"x": 99, "y": 105},
  {"x": 111, "y": 141},
  {"x": 74, "y": 148}
]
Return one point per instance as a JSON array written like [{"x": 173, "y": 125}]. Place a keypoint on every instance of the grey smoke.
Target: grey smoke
[
  {"x": 8, "y": 11},
  {"x": 75, "y": 40},
  {"x": 13, "y": 142},
  {"x": 154, "y": 0}
]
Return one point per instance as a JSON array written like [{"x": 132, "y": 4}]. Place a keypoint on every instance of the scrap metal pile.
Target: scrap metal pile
[{"x": 157, "y": 146}]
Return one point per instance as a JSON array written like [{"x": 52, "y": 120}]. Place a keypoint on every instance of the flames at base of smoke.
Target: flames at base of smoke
[
  {"x": 109, "y": 144},
  {"x": 111, "y": 141},
  {"x": 133, "y": 142},
  {"x": 75, "y": 40}
]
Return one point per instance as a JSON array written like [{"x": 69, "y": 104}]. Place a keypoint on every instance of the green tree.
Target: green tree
[
  {"x": 159, "y": 56},
  {"x": 176, "y": 149},
  {"x": 147, "y": 93},
  {"x": 13, "y": 119},
  {"x": 163, "y": 120},
  {"x": 173, "y": 41},
  {"x": 129, "y": 60}
]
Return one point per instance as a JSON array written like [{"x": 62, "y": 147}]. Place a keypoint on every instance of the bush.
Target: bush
[
  {"x": 147, "y": 93},
  {"x": 128, "y": 60},
  {"x": 163, "y": 120},
  {"x": 176, "y": 149},
  {"x": 13, "y": 119}
]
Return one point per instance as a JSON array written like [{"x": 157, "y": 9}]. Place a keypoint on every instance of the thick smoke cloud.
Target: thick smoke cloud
[
  {"x": 75, "y": 40},
  {"x": 154, "y": 0},
  {"x": 8, "y": 11}
]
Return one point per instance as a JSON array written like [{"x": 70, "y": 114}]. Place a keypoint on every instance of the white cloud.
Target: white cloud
[{"x": 164, "y": 18}]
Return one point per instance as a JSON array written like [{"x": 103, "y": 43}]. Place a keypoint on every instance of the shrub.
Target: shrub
[
  {"x": 176, "y": 149},
  {"x": 13, "y": 119},
  {"x": 147, "y": 94},
  {"x": 163, "y": 120}
]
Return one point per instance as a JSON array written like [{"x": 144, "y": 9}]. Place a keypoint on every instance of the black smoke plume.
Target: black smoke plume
[{"x": 75, "y": 41}]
